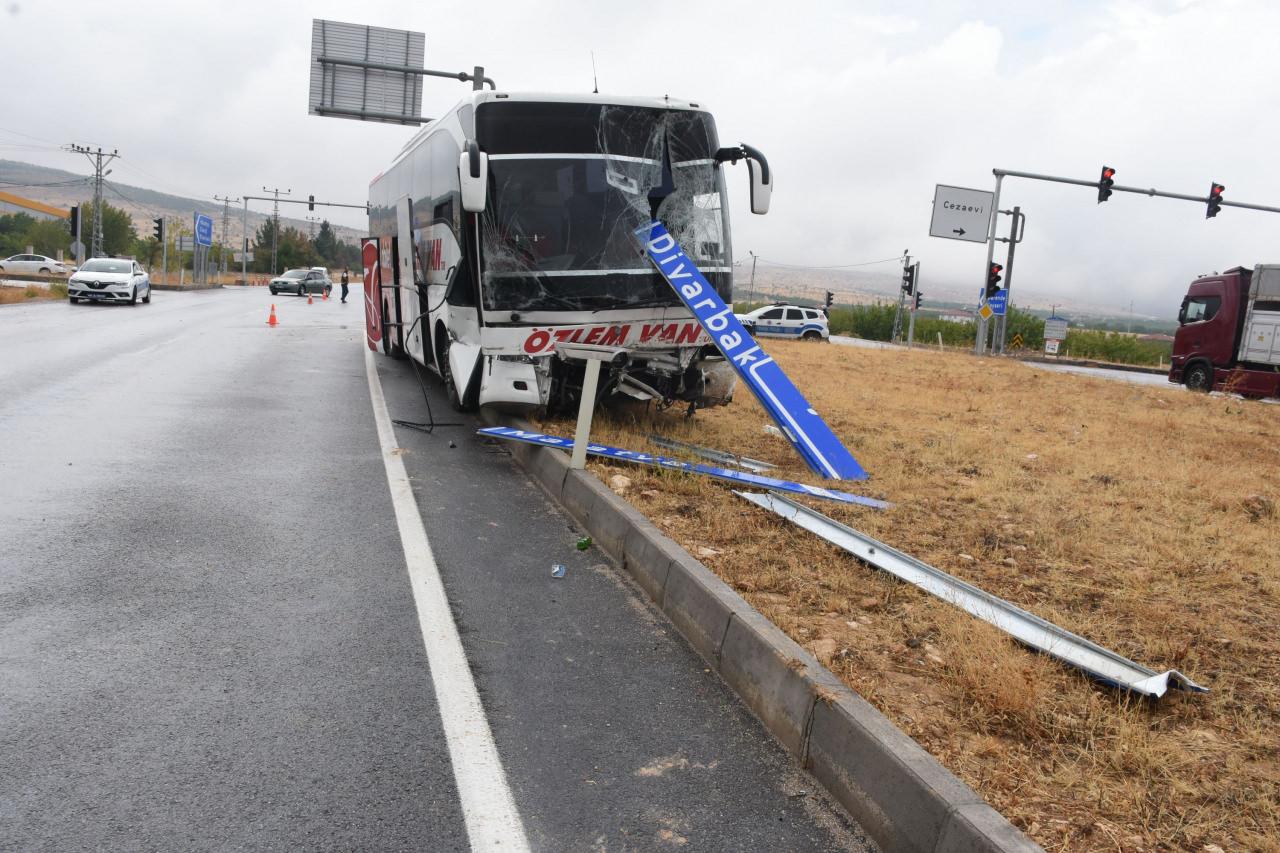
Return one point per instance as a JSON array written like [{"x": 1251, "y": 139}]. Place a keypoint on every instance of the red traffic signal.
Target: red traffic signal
[
  {"x": 993, "y": 280},
  {"x": 1104, "y": 183},
  {"x": 1215, "y": 200}
]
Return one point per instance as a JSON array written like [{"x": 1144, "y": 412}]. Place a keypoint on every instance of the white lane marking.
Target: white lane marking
[{"x": 487, "y": 805}]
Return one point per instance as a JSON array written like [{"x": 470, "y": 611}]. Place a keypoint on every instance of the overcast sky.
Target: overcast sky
[{"x": 861, "y": 108}]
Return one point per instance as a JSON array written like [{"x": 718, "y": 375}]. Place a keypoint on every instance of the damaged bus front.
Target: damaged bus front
[{"x": 520, "y": 212}]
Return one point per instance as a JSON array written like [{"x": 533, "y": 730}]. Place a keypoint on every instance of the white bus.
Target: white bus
[{"x": 502, "y": 242}]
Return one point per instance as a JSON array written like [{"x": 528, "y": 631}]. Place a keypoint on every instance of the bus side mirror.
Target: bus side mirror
[
  {"x": 473, "y": 173},
  {"x": 761, "y": 179}
]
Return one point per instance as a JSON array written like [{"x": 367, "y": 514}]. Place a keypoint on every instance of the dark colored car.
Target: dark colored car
[{"x": 301, "y": 282}]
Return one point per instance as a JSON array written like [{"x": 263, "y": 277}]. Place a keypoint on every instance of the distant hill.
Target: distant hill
[{"x": 63, "y": 189}]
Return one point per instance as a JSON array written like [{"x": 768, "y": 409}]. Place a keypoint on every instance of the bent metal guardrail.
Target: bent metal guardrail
[{"x": 1027, "y": 628}]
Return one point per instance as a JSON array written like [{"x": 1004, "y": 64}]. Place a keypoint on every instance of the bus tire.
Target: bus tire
[
  {"x": 446, "y": 374},
  {"x": 1198, "y": 376}
]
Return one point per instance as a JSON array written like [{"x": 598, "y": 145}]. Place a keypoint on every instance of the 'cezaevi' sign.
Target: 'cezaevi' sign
[{"x": 803, "y": 426}]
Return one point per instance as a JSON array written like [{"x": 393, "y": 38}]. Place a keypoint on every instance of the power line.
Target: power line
[
  {"x": 831, "y": 266},
  {"x": 28, "y": 136}
]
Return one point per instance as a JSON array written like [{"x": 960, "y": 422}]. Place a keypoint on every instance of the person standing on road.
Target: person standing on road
[{"x": 346, "y": 280}]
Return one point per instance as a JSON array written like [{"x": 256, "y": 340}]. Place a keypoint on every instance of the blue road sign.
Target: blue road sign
[
  {"x": 204, "y": 230},
  {"x": 803, "y": 427},
  {"x": 742, "y": 478},
  {"x": 999, "y": 303}
]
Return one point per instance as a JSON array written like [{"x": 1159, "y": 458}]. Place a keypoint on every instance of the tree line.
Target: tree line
[
  {"x": 121, "y": 239},
  {"x": 875, "y": 323}
]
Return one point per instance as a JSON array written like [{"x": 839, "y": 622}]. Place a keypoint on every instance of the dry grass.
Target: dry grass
[
  {"x": 1142, "y": 518},
  {"x": 31, "y": 293}
]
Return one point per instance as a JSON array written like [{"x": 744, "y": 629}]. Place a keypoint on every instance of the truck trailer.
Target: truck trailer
[{"x": 1228, "y": 336}]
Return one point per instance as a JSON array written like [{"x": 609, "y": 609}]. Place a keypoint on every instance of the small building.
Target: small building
[
  {"x": 959, "y": 316},
  {"x": 11, "y": 204}
]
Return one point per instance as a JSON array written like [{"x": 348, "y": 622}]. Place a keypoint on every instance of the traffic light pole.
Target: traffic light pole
[
  {"x": 999, "y": 173},
  {"x": 915, "y": 303},
  {"x": 980, "y": 345},
  {"x": 1016, "y": 228},
  {"x": 164, "y": 253},
  {"x": 902, "y": 294}
]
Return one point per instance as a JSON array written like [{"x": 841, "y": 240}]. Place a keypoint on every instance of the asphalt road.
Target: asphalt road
[{"x": 209, "y": 639}]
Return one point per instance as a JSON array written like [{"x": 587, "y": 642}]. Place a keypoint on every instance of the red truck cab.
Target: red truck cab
[{"x": 1208, "y": 341}]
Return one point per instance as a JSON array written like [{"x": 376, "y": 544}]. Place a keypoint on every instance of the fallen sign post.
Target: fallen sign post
[
  {"x": 741, "y": 478},
  {"x": 803, "y": 426},
  {"x": 724, "y": 457},
  {"x": 1029, "y": 629}
]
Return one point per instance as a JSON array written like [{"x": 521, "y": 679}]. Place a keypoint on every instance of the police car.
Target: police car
[{"x": 787, "y": 321}]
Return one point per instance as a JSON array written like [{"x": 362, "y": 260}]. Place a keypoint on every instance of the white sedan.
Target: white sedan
[
  {"x": 110, "y": 280},
  {"x": 33, "y": 265}
]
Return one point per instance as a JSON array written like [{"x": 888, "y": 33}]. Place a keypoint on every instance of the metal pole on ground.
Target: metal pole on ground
[{"x": 586, "y": 408}]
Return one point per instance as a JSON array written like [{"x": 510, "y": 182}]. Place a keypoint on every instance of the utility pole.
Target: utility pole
[
  {"x": 275, "y": 224},
  {"x": 754, "y": 258},
  {"x": 99, "y": 159},
  {"x": 226, "y": 204}
]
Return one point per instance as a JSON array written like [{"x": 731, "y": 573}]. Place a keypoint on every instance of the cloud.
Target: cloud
[{"x": 861, "y": 111}]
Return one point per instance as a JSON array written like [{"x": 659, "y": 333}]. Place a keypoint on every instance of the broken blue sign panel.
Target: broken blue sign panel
[
  {"x": 803, "y": 427},
  {"x": 742, "y": 478}
]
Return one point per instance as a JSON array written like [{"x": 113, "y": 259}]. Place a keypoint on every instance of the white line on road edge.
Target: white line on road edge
[{"x": 487, "y": 805}]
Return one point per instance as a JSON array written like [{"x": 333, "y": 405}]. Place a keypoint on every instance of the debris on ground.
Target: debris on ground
[
  {"x": 584, "y": 543},
  {"x": 558, "y": 570}
]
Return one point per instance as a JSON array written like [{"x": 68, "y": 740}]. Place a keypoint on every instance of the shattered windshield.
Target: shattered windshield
[{"x": 570, "y": 183}]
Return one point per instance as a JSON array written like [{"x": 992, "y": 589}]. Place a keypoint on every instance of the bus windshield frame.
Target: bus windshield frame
[{"x": 569, "y": 183}]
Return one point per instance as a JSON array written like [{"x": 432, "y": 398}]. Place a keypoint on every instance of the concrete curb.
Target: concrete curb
[{"x": 896, "y": 790}]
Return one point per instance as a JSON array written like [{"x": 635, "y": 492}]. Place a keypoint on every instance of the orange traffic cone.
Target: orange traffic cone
[
  {"x": 309, "y": 300},
  {"x": 272, "y": 321},
  {"x": 325, "y": 298}
]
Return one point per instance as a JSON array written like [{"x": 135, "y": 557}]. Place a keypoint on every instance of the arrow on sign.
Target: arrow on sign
[{"x": 959, "y": 231}]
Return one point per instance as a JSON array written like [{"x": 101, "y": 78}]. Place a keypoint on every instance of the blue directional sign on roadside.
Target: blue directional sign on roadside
[
  {"x": 799, "y": 422},
  {"x": 741, "y": 478},
  {"x": 999, "y": 303},
  {"x": 204, "y": 230}
]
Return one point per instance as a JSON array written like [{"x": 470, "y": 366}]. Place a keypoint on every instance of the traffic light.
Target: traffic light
[
  {"x": 831, "y": 298},
  {"x": 158, "y": 228},
  {"x": 908, "y": 279},
  {"x": 993, "y": 280},
  {"x": 311, "y": 202},
  {"x": 1104, "y": 183},
  {"x": 919, "y": 296},
  {"x": 73, "y": 222},
  {"x": 1215, "y": 200}
]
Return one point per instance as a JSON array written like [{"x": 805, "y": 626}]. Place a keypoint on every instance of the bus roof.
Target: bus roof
[{"x": 476, "y": 98}]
